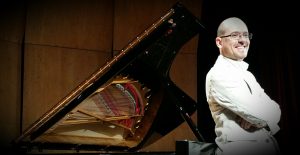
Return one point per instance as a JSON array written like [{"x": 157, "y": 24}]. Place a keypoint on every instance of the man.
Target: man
[{"x": 246, "y": 118}]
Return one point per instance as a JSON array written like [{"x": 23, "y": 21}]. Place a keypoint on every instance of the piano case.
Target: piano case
[{"x": 125, "y": 101}]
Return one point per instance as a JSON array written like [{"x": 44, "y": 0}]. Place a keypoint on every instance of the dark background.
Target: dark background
[{"x": 273, "y": 57}]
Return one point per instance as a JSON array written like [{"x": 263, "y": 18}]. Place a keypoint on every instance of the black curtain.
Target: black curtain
[{"x": 273, "y": 58}]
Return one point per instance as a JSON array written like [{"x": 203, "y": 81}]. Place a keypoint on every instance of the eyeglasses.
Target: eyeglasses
[{"x": 237, "y": 35}]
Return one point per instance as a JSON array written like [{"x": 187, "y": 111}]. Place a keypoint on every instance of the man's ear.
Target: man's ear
[{"x": 219, "y": 42}]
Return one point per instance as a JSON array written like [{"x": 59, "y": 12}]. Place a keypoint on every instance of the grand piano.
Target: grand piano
[{"x": 126, "y": 100}]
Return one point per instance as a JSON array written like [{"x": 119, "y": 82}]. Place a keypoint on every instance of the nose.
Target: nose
[{"x": 243, "y": 41}]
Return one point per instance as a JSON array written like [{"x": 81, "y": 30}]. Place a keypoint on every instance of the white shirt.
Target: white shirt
[{"x": 232, "y": 90}]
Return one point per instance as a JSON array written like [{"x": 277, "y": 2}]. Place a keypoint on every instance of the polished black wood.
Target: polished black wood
[{"x": 147, "y": 59}]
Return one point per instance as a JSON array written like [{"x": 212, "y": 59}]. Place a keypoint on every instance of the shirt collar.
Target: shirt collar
[{"x": 239, "y": 64}]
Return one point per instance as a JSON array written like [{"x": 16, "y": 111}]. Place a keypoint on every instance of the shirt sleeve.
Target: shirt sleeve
[
  {"x": 272, "y": 112},
  {"x": 233, "y": 93}
]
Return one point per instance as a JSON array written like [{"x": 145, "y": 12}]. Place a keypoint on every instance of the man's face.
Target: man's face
[{"x": 235, "y": 43}]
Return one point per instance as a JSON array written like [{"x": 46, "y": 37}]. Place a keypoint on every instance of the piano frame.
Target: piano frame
[{"x": 146, "y": 61}]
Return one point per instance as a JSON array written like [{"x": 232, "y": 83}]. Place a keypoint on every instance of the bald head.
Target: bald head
[
  {"x": 235, "y": 48},
  {"x": 229, "y": 24}
]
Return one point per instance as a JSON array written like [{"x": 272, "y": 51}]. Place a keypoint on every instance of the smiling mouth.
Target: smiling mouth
[{"x": 240, "y": 47}]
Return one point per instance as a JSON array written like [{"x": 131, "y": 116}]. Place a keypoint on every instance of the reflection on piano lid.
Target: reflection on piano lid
[{"x": 132, "y": 96}]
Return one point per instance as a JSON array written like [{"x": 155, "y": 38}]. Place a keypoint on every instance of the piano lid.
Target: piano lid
[{"x": 125, "y": 101}]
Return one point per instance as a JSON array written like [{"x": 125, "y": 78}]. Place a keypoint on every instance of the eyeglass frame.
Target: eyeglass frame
[{"x": 249, "y": 36}]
